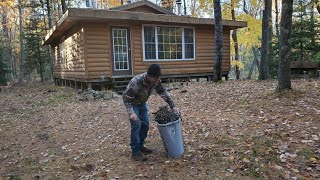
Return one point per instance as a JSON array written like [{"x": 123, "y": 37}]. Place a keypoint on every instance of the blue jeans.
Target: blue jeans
[{"x": 139, "y": 128}]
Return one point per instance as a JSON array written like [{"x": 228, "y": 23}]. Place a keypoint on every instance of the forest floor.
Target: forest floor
[{"x": 231, "y": 130}]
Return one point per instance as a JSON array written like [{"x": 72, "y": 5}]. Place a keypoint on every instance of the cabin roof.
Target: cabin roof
[
  {"x": 73, "y": 16},
  {"x": 130, "y": 6}
]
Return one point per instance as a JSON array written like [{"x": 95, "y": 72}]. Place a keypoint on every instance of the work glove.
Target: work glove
[
  {"x": 176, "y": 110},
  {"x": 133, "y": 117}
]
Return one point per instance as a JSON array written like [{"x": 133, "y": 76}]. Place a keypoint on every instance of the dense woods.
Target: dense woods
[{"x": 255, "y": 50}]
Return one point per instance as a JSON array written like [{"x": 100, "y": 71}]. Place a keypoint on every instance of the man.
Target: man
[{"x": 135, "y": 97}]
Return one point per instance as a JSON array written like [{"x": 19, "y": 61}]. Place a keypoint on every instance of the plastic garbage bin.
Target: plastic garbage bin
[{"x": 171, "y": 136}]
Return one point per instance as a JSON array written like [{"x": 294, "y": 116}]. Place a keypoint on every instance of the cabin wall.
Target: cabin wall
[
  {"x": 74, "y": 68},
  {"x": 204, "y": 57},
  {"x": 98, "y": 50},
  {"x": 90, "y": 46}
]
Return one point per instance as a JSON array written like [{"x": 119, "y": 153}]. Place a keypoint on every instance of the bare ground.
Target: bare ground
[{"x": 231, "y": 130}]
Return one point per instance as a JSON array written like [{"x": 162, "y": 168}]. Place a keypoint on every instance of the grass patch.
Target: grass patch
[
  {"x": 225, "y": 140},
  {"x": 289, "y": 94},
  {"x": 55, "y": 99},
  {"x": 14, "y": 177},
  {"x": 261, "y": 152},
  {"x": 307, "y": 153}
]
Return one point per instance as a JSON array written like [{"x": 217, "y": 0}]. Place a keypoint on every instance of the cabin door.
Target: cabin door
[{"x": 121, "y": 51}]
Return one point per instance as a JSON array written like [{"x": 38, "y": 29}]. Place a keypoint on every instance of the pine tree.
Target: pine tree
[
  {"x": 305, "y": 35},
  {"x": 3, "y": 68},
  {"x": 36, "y": 55}
]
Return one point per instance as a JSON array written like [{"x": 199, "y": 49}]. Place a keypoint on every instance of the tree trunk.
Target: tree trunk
[
  {"x": 41, "y": 68},
  {"x": 277, "y": 23},
  {"x": 271, "y": 63},
  {"x": 64, "y": 6},
  {"x": 185, "y": 7},
  {"x": 301, "y": 50},
  {"x": 217, "y": 71},
  {"x": 284, "y": 72},
  {"x": 49, "y": 14},
  {"x": 235, "y": 40},
  {"x": 312, "y": 30},
  {"x": 254, "y": 62},
  {"x": 7, "y": 53},
  {"x": 193, "y": 8},
  {"x": 264, "y": 70},
  {"x": 21, "y": 63},
  {"x": 59, "y": 11}
]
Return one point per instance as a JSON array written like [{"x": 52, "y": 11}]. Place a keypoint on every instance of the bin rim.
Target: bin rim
[{"x": 170, "y": 123}]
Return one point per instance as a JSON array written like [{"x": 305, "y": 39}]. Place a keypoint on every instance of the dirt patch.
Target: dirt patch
[{"x": 231, "y": 130}]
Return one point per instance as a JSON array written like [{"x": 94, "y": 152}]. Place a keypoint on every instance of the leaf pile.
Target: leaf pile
[{"x": 165, "y": 115}]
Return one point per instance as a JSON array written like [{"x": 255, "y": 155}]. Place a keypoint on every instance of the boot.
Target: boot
[
  {"x": 145, "y": 150},
  {"x": 139, "y": 157}
]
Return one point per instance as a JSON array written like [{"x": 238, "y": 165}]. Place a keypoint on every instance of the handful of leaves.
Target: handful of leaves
[{"x": 165, "y": 115}]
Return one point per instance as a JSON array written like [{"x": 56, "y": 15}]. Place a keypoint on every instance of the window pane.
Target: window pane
[
  {"x": 160, "y": 47},
  {"x": 179, "y": 47},
  {"x": 117, "y": 65},
  {"x": 149, "y": 42},
  {"x": 179, "y": 55},
  {"x": 189, "y": 51},
  {"x": 189, "y": 43},
  {"x": 188, "y": 35},
  {"x": 166, "y": 39},
  {"x": 167, "y": 55},
  {"x": 173, "y": 55},
  {"x": 161, "y": 55},
  {"x": 169, "y": 42}
]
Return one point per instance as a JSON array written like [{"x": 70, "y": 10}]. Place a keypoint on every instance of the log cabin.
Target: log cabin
[{"x": 94, "y": 48}]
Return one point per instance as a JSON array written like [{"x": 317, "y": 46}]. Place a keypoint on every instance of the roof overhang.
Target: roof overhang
[{"x": 73, "y": 16}]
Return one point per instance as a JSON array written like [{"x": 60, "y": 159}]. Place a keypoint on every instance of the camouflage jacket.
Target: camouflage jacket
[{"x": 139, "y": 90}]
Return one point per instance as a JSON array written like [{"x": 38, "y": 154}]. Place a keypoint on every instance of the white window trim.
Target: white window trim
[
  {"x": 114, "y": 58},
  {"x": 156, "y": 39}
]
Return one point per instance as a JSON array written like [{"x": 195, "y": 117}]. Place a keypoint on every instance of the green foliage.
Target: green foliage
[
  {"x": 316, "y": 58},
  {"x": 305, "y": 33},
  {"x": 37, "y": 58},
  {"x": 3, "y": 67}
]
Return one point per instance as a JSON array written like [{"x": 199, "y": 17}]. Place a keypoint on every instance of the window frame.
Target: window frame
[
  {"x": 157, "y": 43},
  {"x": 63, "y": 51},
  {"x": 113, "y": 50}
]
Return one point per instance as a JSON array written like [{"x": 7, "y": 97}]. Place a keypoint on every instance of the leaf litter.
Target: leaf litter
[{"x": 234, "y": 129}]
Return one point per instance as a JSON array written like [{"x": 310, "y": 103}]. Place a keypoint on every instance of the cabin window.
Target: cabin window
[
  {"x": 168, "y": 43},
  {"x": 63, "y": 53},
  {"x": 149, "y": 42},
  {"x": 188, "y": 43}
]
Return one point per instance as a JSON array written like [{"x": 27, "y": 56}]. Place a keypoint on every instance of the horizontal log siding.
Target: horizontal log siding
[
  {"x": 74, "y": 47},
  {"x": 205, "y": 54},
  {"x": 98, "y": 50}
]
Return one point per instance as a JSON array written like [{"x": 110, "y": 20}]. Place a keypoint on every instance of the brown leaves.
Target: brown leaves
[{"x": 235, "y": 129}]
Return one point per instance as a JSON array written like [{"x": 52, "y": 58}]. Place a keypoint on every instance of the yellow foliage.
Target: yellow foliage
[
  {"x": 237, "y": 63},
  {"x": 251, "y": 35},
  {"x": 8, "y": 3},
  {"x": 113, "y": 3}
]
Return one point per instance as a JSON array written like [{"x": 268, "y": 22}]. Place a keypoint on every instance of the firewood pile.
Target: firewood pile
[{"x": 165, "y": 115}]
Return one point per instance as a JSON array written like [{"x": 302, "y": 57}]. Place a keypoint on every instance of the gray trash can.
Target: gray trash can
[{"x": 171, "y": 136}]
